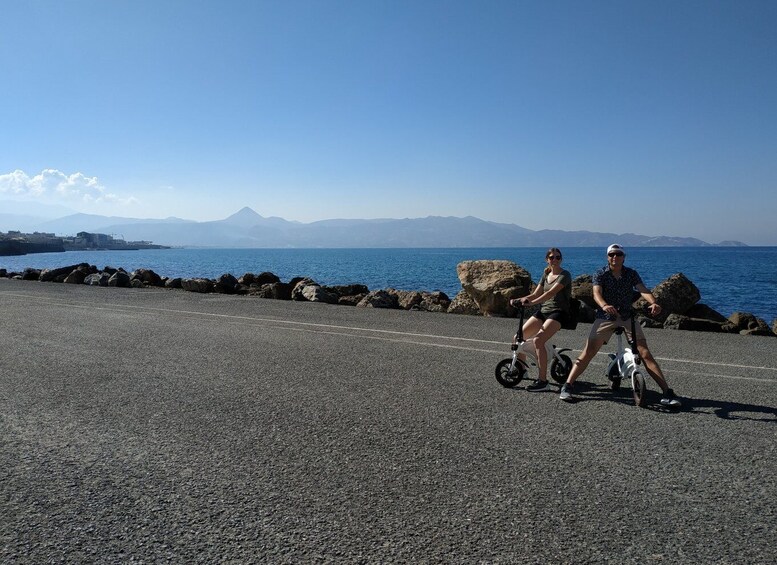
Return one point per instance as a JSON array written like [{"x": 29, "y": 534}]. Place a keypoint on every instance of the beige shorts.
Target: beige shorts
[{"x": 603, "y": 329}]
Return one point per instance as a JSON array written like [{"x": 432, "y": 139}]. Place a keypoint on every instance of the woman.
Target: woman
[{"x": 553, "y": 292}]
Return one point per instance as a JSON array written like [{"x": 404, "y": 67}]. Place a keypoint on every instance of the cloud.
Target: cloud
[{"x": 52, "y": 184}]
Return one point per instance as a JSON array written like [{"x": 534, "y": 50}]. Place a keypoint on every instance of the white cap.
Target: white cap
[{"x": 615, "y": 247}]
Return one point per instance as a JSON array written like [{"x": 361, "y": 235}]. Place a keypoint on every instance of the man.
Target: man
[{"x": 614, "y": 287}]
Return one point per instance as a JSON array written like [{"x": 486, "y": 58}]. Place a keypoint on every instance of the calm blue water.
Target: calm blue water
[{"x": 730, "y": 278}]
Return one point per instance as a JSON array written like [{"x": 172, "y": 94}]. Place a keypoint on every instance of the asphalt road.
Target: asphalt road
[{"x": 165, "y": 426}]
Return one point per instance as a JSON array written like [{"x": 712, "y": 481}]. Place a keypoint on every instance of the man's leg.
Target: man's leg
[
  {"x": 654, "y": 370},
  {"x": 592, "y": 346}
]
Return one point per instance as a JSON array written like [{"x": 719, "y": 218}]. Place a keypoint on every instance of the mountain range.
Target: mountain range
[{"x": 246, "y": 228}]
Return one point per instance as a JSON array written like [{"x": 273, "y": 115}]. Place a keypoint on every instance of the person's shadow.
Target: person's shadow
[{"x": 721, "y": 408}]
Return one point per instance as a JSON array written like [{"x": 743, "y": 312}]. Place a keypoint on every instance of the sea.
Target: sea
[{"x": 730, "y": 279}]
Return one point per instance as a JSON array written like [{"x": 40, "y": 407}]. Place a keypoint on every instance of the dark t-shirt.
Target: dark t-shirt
[
  {"x": 561, "y": 300},
  {"x": 618, "y": 292}
]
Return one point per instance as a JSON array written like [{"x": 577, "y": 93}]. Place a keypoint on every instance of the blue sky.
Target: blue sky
[{"x": 655, "y": 117}]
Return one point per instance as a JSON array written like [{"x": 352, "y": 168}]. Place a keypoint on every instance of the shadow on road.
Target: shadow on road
[{"x": 720, "y": 408}]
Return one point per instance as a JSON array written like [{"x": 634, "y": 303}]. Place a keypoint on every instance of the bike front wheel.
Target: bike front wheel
[
  {"x": 559, "y": 370},
  {"x": 508, "y": 375},
  {"x": 639, "y": 389}
]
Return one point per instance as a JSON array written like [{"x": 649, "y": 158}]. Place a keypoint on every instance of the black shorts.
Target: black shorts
[{"x": 558, "y": 315}]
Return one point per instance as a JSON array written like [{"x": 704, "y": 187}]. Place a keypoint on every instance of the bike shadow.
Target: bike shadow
[{"x": 723, "y": 409}]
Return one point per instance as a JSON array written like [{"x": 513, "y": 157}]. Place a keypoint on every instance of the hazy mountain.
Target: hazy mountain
[{"x": 246, "y": 228}]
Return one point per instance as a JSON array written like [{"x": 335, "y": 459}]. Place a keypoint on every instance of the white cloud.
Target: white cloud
[{"x": 52, "y": 184}]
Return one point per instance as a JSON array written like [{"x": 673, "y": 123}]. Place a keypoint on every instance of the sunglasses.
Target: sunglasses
[
  {"x": 617, "y": 254},
  {"x": 551, "y": 257}
]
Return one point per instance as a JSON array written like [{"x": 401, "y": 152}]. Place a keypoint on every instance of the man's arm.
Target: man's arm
[
  {"x": 602, "y": 303},
  {"x": 655, "y": 307}
]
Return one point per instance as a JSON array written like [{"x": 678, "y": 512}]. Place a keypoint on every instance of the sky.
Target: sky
[{"x": 654, "y": 117}]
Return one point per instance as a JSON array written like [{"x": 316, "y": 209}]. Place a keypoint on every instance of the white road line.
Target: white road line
[{"x": 290, "y": 323}]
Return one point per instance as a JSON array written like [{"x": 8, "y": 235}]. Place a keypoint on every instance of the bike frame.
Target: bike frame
[{"x": 626, "y": 360}]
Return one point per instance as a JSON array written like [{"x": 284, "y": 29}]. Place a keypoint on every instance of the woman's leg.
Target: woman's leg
[
  {"x": 548, "y": 329},
  {"x": 530, "y": 329}
]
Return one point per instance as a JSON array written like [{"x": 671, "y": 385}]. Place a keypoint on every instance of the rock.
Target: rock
[
  {"x": 247, "y": 279},
  {"x": 406, "y": 299},
  {"x": 436, "y": 301},
  {"x": 266, "y": 278},
  {"x": 680, "y": 322},
  {"x": 97, "y": 279},
  {"x": 379, "y": 299},
  {"x": 491, "y": 284},
  {"x": 316, "y": 293},
  {"x": 277, "y": 291},
  {"x": 298, "y": 285},
  {"x": 59, "y": 274},
  {"x": 197, "y": 285},
  {"x": 31, "y": 274},
  {"x": 76, "y": 277},
  {"x": 120, "y": 279},
  {"x": 173, "y": 283},
  {"x": 704, "y": 312},
  {"x": 774, "y": 326},
  {"x": 351, "y": 300},
  {"x": 225, "y": 284},
  {"x": 747, "y": 324},
  {"x": 583, "y": 290},
  {"x": 676, "y": 295},
  {"x": 3, "y": 273},
  {"x": 462, "y": 303},
  {"x": 347, "y": 289},
  {"x": 147, "y": 276},
  {"x": 136, "y": 283}
]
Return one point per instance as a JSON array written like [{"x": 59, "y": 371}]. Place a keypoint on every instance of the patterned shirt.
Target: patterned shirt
[{"x": 618, "y": 292}]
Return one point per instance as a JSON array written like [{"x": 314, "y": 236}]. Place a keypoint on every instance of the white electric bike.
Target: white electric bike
[
  {"x": 511, "y": 371},
  {"x": 625, "y": 363}
]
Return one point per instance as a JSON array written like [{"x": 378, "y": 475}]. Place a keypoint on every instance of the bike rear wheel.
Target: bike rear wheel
[
  {"x": 560, "y": 370},
  {"x": 639, "y": 389},
  {"x": 509, "y": 377}
]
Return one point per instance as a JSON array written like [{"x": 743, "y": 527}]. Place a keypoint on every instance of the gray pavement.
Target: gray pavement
[{"x": 164, "y": 426}]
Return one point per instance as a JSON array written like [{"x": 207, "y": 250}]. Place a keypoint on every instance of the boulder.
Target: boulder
[
  {"x": 298, "y": 286},
  {"x": 704, "y": 312},
  {"x": 76, "y": 277},
  {"x": 277, "y": 291},
  {"x": 59, "y": 274},
  {"x": 266, "y": 278},
  {"x": 316, "y": 293},
  {"x": 492, "y": 283},
  {"x": 31, "y": 274},
  {"x": 147, "y": 277},
  {"x": 462, "y": 303},
  {"x": 197, "y": 285},
  {"x": 3, "y": 273},
  {"x": 406, "y": 299},
  {"x": 676, "y": 295},
  {"x": 746, "y": 323},
  {"x": 97, "y": 279},
  {"x": 379, "y": 299},
  {"x": 774, "y": 326},
  {"x": 347, "y": 289},
  {"x": 680, "y": 322},
  {"x": 119, "y": 278},
  {"x": 225, "y": 284},
  {"x": 351, "y": 300},
  {"x": 583, "y": 290},
  {"x": 173, "y": 282}
]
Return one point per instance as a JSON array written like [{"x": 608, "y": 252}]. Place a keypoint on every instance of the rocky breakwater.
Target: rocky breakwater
[{"x": 487, "y": 288}]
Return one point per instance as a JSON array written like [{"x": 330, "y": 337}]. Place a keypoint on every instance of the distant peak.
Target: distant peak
[
  {"x": 244, "y": 217},
  {"x": 245, "y": 212}
]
